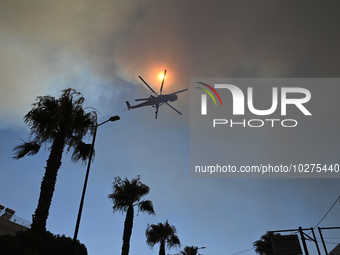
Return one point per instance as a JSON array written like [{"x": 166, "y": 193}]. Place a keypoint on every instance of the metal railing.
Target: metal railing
[{"x": 16, "y": 219}]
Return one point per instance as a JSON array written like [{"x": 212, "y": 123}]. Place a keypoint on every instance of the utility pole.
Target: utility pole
[
  {"x": 323, "y": 241},
  {"x": 316, "y": 242},
  {"x": 303, "y": 241}
]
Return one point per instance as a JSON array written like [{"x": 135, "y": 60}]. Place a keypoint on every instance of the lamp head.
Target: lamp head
[{"x": 114, "y": 118}]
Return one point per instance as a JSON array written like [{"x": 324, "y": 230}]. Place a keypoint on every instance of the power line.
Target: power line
[
  {"x": 243, "y": 251},
  {"x": 330, "y": 238},
  {"x": 327, "y": 212}
]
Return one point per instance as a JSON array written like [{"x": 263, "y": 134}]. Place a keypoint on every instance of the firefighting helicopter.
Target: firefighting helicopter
[{"x": 158, "y": 100}]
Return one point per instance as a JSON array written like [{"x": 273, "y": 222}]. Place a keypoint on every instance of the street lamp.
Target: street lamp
[
  {"x": 200, "y": 249},
  {"x": 114, "y": 118}
]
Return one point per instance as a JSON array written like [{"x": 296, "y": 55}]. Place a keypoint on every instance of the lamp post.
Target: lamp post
[
  {"x": 114, "y": 118},
  {"x": 200, "y": 249}
]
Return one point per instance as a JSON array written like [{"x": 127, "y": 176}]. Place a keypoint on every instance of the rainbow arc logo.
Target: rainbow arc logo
[{"x": 204, "y": 97}]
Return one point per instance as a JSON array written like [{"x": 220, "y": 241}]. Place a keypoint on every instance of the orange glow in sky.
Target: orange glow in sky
[
  {"x": 161, "y": 76},
  {"x": 154, "y": 77}
]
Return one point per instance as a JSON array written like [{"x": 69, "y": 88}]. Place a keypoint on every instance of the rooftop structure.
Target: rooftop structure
[{"x": 10, "y": 223}]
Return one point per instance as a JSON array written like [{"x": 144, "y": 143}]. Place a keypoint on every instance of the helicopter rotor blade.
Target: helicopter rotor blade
[
  {"x": 142, "y": 99},
  {"x": 179, "y": 91},
  {"x": 148, "y": 85},
  {"x": 163, "y": 82},
  {"x": 173, "y": 108},
  {"x": 157, "y": 106}
]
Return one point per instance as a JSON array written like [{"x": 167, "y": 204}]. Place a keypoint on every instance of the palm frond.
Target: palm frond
[
  {"x": 173, "y": 241},
  {"x": 26, "y": 149},
  {"x": 81, "y": 152},
  {"x": 41, "y": 119},
  {"x": 146, "y": 206},
  {"x": 192, "y": 250}
]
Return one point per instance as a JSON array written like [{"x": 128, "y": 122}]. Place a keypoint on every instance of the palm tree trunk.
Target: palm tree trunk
[
  {"x": 40, "y": 216},
  {"x": 162, "y": 248},
  {"x": 127, "y": 231}
]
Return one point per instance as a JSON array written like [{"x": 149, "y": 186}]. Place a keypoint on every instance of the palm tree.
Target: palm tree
[
  {"x": 126, "y": 195},
  {"x": 57, "y": 123},
  {"x": 189, "y": 250},
  {"x": 165, "y": 234},
  {"x": 264, "y": 245}
]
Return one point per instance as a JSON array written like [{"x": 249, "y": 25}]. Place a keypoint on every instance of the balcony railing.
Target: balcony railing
[{"x": 15, "y": 219}]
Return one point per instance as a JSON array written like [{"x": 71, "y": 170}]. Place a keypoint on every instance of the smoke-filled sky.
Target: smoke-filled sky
[{"x": 100, "y": 48}]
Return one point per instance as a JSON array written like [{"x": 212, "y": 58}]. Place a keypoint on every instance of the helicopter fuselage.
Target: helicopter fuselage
[{"x": 159, "y": 100}]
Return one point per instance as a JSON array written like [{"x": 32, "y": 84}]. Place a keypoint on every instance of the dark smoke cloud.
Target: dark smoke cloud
[{"x": 80, "y": 42}]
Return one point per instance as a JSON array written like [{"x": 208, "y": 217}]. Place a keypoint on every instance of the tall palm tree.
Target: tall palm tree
[
  {"x": 126, "y": 195},
  {"x": 55, "y": 123},
  {"x": 165, "y": 234}
]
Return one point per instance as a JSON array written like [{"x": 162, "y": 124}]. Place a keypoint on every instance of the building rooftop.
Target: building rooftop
[{"x": 10, "y": 223}]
